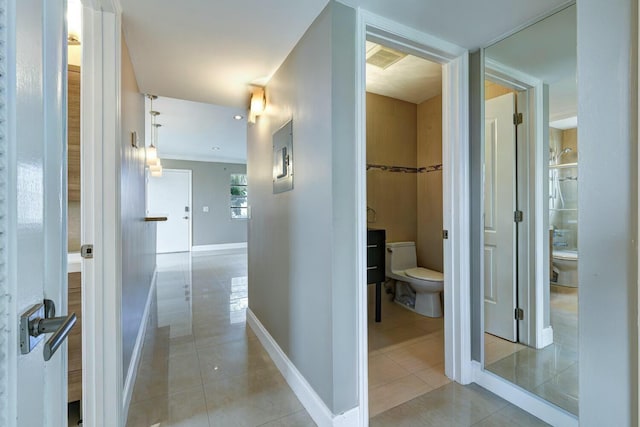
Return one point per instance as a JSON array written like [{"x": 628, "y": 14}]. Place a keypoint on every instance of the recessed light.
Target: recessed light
[
  {"x": 238, "y": 117},
  {"x": 215, "y": 148}
]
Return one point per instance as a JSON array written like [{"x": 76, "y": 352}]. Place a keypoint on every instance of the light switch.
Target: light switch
[{"x": 205, "y": 209}]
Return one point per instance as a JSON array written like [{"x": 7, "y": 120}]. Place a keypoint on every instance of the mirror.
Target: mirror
[{"x": 530, "y": 210}]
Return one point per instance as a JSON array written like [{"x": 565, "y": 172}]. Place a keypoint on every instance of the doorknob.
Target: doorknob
[{"x": 40, "y": 320}]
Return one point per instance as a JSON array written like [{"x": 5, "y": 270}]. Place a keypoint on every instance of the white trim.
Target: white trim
[
  {"x": 314, "y": 405},
  {"x": 361, "y": 220},
  {"x": 194, "y": 158},
  {"x": 101, "y": 159},
  {"x": 130, "y": 380},
  {"x": 526, "y": 401},
  {"x": 546, "y": 337},
  {"x": 455, "y": 185},
  {"x": 219, "y": 247}
]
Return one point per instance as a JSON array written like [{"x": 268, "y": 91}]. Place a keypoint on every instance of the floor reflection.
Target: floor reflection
[
  {"x": 551, "y": 372},
  {"x": 200, "y": 364}
]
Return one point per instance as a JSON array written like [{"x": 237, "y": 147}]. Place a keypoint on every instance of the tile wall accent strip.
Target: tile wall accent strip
[{"x": 404, "y": 169}]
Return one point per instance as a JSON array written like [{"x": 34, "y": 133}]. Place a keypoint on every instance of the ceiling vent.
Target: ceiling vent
[{"x": 383, "y": 57}]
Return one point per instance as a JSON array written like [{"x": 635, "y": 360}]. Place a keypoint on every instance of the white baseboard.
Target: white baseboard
[
  {"x": 314, "y": 405},
  {"x": 526, "y": 401},
  {"x": 130, "y": 380},
  {"x": 547, "y": 336},
  {"x": 220, "y": 247}
]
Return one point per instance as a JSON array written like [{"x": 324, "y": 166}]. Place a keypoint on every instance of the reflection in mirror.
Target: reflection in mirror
[{"x": 530, "y": 210}]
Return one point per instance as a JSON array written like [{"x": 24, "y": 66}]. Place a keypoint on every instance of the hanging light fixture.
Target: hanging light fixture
[{"x": 152, "y": 159}]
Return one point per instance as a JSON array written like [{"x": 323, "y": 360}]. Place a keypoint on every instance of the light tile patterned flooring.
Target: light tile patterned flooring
[
  {"x": 202, "y": 366},
  {"x": 551, "y": 372}
]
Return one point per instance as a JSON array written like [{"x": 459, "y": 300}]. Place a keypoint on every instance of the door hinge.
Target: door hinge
[
  {"x": 517, "y": 119},
  {"x": 86, "y": 251},
  {"x": 519, "y": 314},
  {"x": 445, "y": 234},
  {"x": 518, "y": 216}
]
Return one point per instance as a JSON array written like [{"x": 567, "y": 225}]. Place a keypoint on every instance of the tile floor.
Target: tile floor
[
  {"x": 551, "y": 372},
  {"x": 202, "y": 366}
]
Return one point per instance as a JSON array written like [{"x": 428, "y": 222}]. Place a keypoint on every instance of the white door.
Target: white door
[
  {"x": 33, "y": 392},
  {"x": 170, "y": 196},
  {"x": 499, "y": 225}
]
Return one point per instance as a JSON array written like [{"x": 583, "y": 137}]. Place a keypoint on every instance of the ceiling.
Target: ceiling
[
  {"x": 411, "y": 79},
  {"x": 209, "y": 51},
  {"x": 547, "y": 51},
  {"x": 190, "y": 131}
]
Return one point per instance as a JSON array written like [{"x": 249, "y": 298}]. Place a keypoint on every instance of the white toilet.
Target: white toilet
[
  {"x": 565, "y": 263},
  {"x": 402, "y": 266}
]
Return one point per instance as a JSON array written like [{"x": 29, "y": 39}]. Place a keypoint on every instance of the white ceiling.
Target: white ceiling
[
  {"x": 547, "y": 51},
  {"x": 209, "y": 51},
  {"x": 411, "y": 79},
  {"x": 190, "y": 130}
]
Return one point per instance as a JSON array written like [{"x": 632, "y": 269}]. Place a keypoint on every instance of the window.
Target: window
[{"x": 239, "y": 196}]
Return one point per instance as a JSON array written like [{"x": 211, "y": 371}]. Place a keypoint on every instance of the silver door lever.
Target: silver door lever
[{"x": 39, "y": 320}]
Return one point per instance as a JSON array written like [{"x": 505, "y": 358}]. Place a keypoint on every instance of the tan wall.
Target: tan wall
[
  {"x": 391, "y": 140},
  {"x": 494, "y": 90},
  {"x": 570, "y": 140},
  {"x": 429, "y": 195}
]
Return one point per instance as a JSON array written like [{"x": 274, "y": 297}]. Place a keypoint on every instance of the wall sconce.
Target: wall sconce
[
  {"x": 74, "y": 22},
  {"x": 257, "y": 104}
]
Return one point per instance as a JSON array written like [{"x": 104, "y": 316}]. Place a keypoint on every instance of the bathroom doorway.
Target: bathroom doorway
[{"x": 404, "y": 226}]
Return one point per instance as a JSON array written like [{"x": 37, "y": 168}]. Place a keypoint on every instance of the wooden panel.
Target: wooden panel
[
  {"x": 429, "y": 249},
  {"x": 73, "y": 139},
  {"x": 570, "y": 140},
  {"x": 391, "y": 140},
  {"x": 75, "y": 338}
]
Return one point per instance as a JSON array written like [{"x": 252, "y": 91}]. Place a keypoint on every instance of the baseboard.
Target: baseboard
[
  {"x": 130, "y": 380},
  {"x": 547, "y": 336},
  {"x": 526, "y": 401},
  {"x": 314, "y": 405},
  {"x": 220, "y": 247}
]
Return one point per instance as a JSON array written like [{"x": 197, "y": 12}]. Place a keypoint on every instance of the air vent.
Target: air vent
[{"x": 383, "y": 57}]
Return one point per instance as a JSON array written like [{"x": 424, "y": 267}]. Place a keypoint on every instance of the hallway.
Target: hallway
[{"x": 200, "y": 364}]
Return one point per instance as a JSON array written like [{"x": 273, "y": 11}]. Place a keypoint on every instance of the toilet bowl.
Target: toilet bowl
[
  {"x": 402, "y": 266},
  {"x": 565, "y": 263}
]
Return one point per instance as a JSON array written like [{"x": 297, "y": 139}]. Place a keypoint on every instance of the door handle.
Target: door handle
[
  {"x": 38, "y": 321},
  {"x": 185, "y": 217}
]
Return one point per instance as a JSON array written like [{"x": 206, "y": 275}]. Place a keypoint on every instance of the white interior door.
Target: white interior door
[
  {"x": 33, "y": 392},
  {"x": 170, "y": 196},
  {"x": 499, "y": 225}
]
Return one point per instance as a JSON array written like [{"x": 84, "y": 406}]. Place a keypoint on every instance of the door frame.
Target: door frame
[
  {"x": 490, "y": 381},
  {"x": 533, "y": 244},
  {"x": 102, "y": 379},
  {"x": 190, "y": 192},
  {"x": 456, "y": 199}
]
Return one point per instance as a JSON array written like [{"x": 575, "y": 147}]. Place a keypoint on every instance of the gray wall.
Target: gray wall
[
  {"x": 138, "y": 237},
  {"x": 211, "y": 187},
  {"x": 607, "y": 91},
  {"x": 302, "y": 243}
]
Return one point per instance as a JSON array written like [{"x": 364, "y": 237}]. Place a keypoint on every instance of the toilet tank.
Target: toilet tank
[{"x": 401, "y": 256}]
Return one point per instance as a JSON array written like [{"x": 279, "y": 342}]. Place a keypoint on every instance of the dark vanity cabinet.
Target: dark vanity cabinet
[{"x": 376, "y": 241}]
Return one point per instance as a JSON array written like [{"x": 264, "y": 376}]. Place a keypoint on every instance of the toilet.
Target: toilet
[
  {"x": 402, "y": 266},
  {"x": 565, "y": 263}
]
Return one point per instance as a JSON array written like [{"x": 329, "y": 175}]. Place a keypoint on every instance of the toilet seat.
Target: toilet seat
[{"x": 424, "y": 274}]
